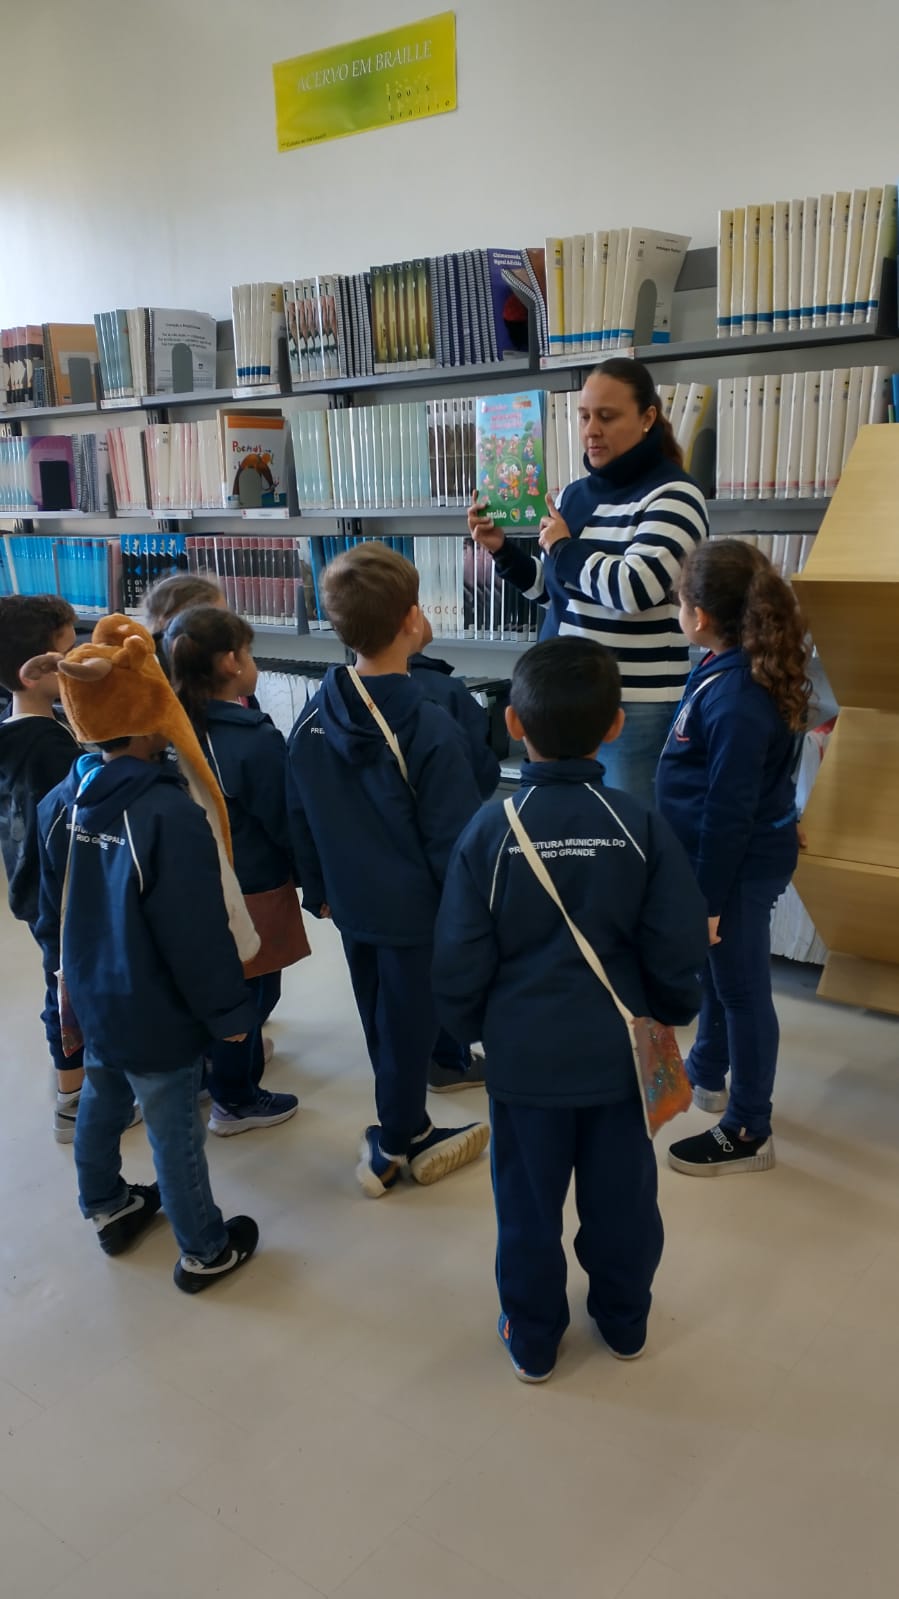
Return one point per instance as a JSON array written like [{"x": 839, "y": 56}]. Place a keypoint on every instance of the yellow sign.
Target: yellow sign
[{"x": 399, "y": 76}]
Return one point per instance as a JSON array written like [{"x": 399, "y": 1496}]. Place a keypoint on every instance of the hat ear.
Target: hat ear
[
  {"x": 39, "y": 666},
  {"x": 90, "y": 671},
  {"x": 134, "y": 652}
]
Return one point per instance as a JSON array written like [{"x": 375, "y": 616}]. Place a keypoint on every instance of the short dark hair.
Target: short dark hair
[
  {"x": 107, "y": 745},
  {"x": 369, "y": 591},
  {"x": 175, "y": 593},
  {"x": 29, "y": 624},
  {"x": 566, "y": 693}
]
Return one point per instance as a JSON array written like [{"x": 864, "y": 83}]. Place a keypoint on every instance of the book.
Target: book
[
  {"x": 736, "y": 283},
  {"x": 37, "y": 473},
  {"x": 750, "y": 288},
  {"x": 849, "y": 296},
  {"x": 725, "y": 272},
  {"x": 764, "y": 301},
  {"x": 771, "y": 392},
  {"x": 781, "y": 267},
  {"x": 725, "y": 434},
  {"x": 794, "y": 289},
  {"x": 652, "y": 267},
  {"x": 823, "y": 234},
  {"x": 253, "y": 454},
  {"x": 755, "y": 397},
  {"x": 70, "y": 355},
  {"x": 510, "y": 463},
  {"x": 807, "y": 261},
  {"x": 182, "y": 351},
  {"x": 842, "y": 202}
]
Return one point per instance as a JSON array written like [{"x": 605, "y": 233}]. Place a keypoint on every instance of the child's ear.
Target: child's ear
[
  {"x": 230, "y": 664},
  {"x": 513, "y": 724},
  {"x": 616, "y": 727}
]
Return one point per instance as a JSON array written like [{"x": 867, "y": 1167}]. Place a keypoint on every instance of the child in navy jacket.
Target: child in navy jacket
[
  {"x": 379, "y": 789},
  {"x": 212, "y": 668},
  {"x": 133, "y": 909},
  {"x": 560, "y": 1068},
  {"x": 725, "y": 783}
]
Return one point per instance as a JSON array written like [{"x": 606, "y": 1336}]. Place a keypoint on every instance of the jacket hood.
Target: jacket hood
[
  {"x": 231, "y": 711},
  {"x": 429, "y": 663},
  {"x": 102, "y": 791},
  {"x": 735, "y": 660},
  {"x": 349, "y": 725}
]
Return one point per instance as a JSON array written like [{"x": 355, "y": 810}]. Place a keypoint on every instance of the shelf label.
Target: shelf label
[
  {"x": 265, "y": 513},
  {"x": 402, "y": 75}
]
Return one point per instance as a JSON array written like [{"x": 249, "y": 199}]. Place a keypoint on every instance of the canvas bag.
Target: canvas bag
[{"x": 665, "y": 1089}]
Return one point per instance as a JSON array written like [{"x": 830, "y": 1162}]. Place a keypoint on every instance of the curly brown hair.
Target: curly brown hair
[{"x": 752, "y": 607}]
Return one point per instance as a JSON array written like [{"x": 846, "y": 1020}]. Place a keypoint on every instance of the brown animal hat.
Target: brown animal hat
[{"x": 114, "y": 687}]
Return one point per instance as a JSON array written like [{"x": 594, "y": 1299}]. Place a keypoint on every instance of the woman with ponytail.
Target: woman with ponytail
[
  {"x": 612, "y": 551},
  {"x": 725, "y": 784}
]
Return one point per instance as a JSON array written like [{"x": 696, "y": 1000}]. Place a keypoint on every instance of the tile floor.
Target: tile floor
[{"x": 340, "y": 1420}]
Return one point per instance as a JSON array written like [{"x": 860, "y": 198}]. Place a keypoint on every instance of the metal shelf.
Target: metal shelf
[
  {"x": 515, "y": 366},
  {"x": 778, "y": 515}
]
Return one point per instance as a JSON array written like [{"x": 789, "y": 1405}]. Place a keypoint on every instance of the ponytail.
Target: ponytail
[
  {"x": 641, "y": 382},
  {"x": 752, "y": 608},
  {"x": 192, "y": 645}
]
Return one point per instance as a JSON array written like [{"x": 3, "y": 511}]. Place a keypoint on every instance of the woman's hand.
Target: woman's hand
[
  {"x": 482, "y": 528},
  {"x": 713, "y": 929},
  {"x": 552, "y": 527}
]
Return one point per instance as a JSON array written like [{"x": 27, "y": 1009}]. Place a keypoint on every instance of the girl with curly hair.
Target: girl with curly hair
[{"x": 725, "y": 784}]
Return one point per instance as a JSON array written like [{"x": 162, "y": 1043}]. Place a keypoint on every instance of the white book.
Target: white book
[
  {"x": 137, "y": 345},
  {"x": 825, "y": 407},
  {"x": 781, "y": 266},
  {"x": 805, "y": 549},
  {"x": 598, "y": 291},
  {"x": 650, "y": 284},
  {"x": 794, "y": 291},
  {"x": 807, "y": 261},
  {"x": 794, "y": 437},
  {"x": 822, "y": 260},
  {"x": 867, "y": 247},
  {"x": 741, "y": 421},
  {"x": 725, "y": 438},
  {"x": 792, "y": 549},
  {"x": 612, "y": 301},
  {"x": 725, "y": 271},
  {"x": 550, "y": 440},
  {"x": 836, "y": 433},
  {"x": 569, "y": 315},
  {"x": 866, "y": 395},
  {"x": 752, "y": 465},
  {"x": 881, "y": 395},
  {"x": 736, "y": 282},
  {"x": 575, "y": 316},
  {"x": 555, "y": 306},
  {"x": 771, "y": 386},
  {"x": 749, "y": 300},
  {"x": 764, "y": 305},
  {"x": 853, "y": 410},
  {"x": 850, "y": 292},
  {"x": 697, "y": 418},
  {"x": 586, "y": 340},
  {"x": 181, "y": 342},
  {"x": 842, "y": 202},
  {"x": 777, "y": 552},
  {"x": 884, "y": 250},
  {"x": 808, "y": 443},
  {"x": 666, "y": 393},
  {"x": 679, "y": 407}
]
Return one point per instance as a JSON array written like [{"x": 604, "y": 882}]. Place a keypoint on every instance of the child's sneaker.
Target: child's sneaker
[
  {"x": 265, "y": 1110},
  {"x": 714, "y": 1101},
  {"x": 66, "y": 1111},
  {"x": 504, "y": 1328},
  {"x": 192, "y": 1276},
  {"x": 440, "y": 1150},
  {"x": 376, "y": 1172},
  {"x": 120, "y": 1228},
  {"x": 717, "y": 1151},
  {"x": 449, "y": 1080},
  {"x": 268, "y": 1049}
]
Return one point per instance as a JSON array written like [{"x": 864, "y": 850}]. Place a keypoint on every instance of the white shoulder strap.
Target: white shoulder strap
[
  {"x": 382, "y": 722},
  {"x": 64, "y": 896},
  {"x": 543, "y": 878}
]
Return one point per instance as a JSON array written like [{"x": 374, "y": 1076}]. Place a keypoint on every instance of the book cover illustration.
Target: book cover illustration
[
  {"x": 510, "y": 460},
  {"x": 254, "y": 453}
]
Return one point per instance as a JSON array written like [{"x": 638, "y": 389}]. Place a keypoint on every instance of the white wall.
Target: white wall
[{"x": 138, "y": 162}]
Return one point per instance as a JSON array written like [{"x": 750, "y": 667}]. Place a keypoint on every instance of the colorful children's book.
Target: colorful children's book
[
  {"x": 510, "y": 460},
  {"x": 253, "y": 445}
]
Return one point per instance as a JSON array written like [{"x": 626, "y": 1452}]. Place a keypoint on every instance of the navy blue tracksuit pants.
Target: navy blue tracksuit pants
[
  {"x": 392, "y": 985},
  {"x": 535, "y": 1150}
]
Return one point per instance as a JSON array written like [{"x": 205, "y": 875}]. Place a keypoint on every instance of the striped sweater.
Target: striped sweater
[{"x": 632, "y": 525}]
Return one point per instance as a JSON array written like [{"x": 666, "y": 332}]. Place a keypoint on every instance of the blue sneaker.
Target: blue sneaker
[
  {"x": 265, "y": 1110},
  {"x": 440, "y": 1150},
  {"x": 376, "y": 1172},
  {"x": 504, "y": 1328}
]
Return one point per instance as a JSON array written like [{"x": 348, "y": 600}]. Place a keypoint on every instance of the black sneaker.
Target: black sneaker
[
  {"x": 718, "y": 1151},
  {"x": 450, "y": 1080},
  {"x": 192, "y": 1276},
  {"x": 120, "y": 1228}
]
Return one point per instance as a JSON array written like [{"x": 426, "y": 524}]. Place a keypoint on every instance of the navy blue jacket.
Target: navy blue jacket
[
  {"x": 725, "y": 779},
  {"x": 36, "y": 753},
  {"x": 248, "y": 755},
  {"x": 150, "y": 963},
  {"x": 371, "y": 847},
  {"x": 434, "y": 678},
  {"x": 506, "y": 968}
]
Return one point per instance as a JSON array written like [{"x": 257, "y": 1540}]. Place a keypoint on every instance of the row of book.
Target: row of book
[
  {"x": 811, "y": 263},
  {"x": 787, "y": 436},
  {"x": 152, "y": 350},
  {"x": 53, "y": 473},
  {"x": 688, "y": 406},
  {"x": 233, "y": 461},
  {"x": 86, "y": 571},
  {"x": 420, "y": 454},
  {"x": 50, "y": 364},
  {"x": 611, "y": 289},
  {"x": 787, "y": 552}
]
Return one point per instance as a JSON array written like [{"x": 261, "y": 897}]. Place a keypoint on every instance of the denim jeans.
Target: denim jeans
[
  {"x": 738, "y": 1025},
  {"x": 235, "y": 1070},
  {"x": 630, "y": 763},
  {"x": 176, "y": 1133}
]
